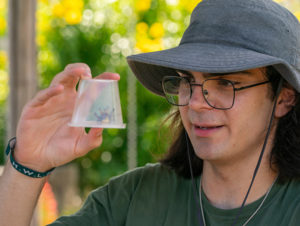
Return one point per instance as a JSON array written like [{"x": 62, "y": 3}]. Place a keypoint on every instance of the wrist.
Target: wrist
[
  {"x": 33, "y": 162},
  {"x": 22, "y": 168},
  {"x": 10, "y": 172}
]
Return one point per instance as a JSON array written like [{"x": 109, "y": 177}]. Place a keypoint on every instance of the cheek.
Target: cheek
[
  {"x": 184, "y": 116},
  {"x": 251, "y": 113}
]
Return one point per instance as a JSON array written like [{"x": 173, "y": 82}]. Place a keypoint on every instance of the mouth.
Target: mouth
[
  {"x": 206, "y": 130},
  {"x": 207, "y": 127}
]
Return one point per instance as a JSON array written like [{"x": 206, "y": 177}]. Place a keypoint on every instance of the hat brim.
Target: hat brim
[{"x": 150, "y": 68}]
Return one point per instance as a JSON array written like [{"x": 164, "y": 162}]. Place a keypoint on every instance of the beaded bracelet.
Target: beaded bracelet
[{"x": 23, "y": 169}]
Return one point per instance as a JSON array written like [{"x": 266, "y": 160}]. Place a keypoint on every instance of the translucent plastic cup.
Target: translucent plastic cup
[{"x": 97, "y": 105}]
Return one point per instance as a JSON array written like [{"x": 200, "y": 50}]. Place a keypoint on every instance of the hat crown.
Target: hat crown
[
  {"x": 259, "y": 25},
  {"x": 227, "y": 36}
]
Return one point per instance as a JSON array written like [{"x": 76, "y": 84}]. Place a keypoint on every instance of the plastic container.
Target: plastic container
[{"x": 97, "y": 105}]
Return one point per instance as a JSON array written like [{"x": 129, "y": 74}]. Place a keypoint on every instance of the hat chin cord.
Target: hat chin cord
[{"x": 195, "y": 188}]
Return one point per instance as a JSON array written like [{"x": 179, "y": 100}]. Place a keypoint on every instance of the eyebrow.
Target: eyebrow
[{"x": 208, "y": 75}]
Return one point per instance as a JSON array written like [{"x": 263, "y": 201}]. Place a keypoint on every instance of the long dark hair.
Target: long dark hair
[{"x": 285, "y": 153}]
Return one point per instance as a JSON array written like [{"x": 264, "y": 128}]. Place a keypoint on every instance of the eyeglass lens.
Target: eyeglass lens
[{"x": 218, "y": 93}]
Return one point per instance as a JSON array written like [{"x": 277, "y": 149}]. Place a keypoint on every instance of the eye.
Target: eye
[
  {"x": 224, "y": 83},
  {"x": 227, "y": 83},
  {"x": 172, "y": 84}
]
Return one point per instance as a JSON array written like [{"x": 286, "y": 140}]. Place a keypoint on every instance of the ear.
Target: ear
[{"x": 285, "y": 102}]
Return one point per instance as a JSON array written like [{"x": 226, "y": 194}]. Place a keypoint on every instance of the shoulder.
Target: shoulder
[
  {"x": 127, "y": 194},
  {"x": 289, "y": 202},
  {"x": 148, "y": 175},
  {"x": 293, "y": 194},
  {"x": 152, "y": 180},
  {"x": 132, "y": 191},
  {"x": 292, "y": 191},
  {"x": 287, "y": 193},
  {"x": 149, "y": 169},
  {"x": 151, "y": 173}
]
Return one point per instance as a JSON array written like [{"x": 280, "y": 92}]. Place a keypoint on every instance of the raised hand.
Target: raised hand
[{"x": 44, "y": 139}]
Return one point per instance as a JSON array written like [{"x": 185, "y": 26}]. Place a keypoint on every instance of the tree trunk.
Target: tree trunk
[
  {"x": 22, "y": 62},
  {"x": 22, "y": 59}
]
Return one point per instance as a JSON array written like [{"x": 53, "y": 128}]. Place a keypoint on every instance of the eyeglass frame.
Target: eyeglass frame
[{"x": 201, "y": 85}]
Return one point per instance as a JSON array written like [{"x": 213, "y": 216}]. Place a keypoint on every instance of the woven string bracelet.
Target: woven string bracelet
[{"x": 23, "y": 169}]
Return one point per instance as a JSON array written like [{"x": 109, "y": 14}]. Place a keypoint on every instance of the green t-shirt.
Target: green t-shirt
[{"x": 154, "y": 195}]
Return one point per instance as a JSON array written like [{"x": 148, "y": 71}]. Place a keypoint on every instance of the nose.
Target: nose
[{"x": 197, "y": 101}]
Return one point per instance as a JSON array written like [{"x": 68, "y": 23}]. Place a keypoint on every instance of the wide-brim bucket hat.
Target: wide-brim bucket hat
[{"x": 228, "y": 36}]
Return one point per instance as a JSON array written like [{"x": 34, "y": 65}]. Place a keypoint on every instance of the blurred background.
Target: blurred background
[{"x": 100, "y": 33}]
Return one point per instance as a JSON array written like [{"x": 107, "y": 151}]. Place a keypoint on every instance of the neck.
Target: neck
[{"x": 226, "y": 186}]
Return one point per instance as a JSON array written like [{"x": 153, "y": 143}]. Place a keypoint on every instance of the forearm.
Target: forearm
[{"x": 18, "y": 196}]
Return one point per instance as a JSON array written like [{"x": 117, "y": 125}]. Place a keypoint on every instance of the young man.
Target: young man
[{"x": 235, "y": 158}]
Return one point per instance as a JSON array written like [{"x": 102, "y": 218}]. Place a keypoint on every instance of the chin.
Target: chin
[{"x": 206, "y": 150}]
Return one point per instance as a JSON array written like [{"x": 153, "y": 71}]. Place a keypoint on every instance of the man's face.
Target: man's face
[{"x": 233, "y": 134}]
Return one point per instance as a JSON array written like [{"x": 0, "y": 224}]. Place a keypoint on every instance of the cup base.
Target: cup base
[{"x": 90, "y": 125}]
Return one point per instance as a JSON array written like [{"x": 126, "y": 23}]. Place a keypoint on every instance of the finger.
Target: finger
[
  {"x": 44, "y": 95},
  {"x": 75, "y": 65},
  {"x": 95, "y": 132},
  {"x": 71, "y": 75},
  {"x": 108, "y": 75},
  {"x": 90, "y": 141}
]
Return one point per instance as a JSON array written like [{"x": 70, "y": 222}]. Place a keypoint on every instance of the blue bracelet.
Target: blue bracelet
[{"x": 23, "y": 169}]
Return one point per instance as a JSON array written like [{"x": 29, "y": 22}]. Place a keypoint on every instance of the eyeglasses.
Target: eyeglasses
[{"x": 218, "y": 93}]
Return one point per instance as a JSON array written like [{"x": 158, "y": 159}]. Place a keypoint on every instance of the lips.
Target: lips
[
  {"x": 207, "y": 127},
  {"x": 206, "y": 130}
]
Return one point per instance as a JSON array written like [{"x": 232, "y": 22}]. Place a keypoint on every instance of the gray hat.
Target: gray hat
[{"x": 227, "y": 36}]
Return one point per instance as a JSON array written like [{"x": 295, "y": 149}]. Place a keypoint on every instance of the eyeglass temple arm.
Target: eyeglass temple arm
[
  {"x": 253, "y": 85},
  {"x": 196, "y": 84}
]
